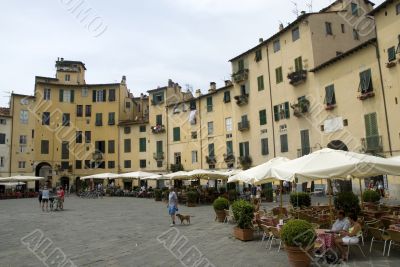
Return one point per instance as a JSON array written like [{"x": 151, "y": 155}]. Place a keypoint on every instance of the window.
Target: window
[
  {"x": 192, "y": 105},
  {"x": 284, "y": 143},
  {"x": 258, "y": 55},
  {"x": 79, "y": 110},
  {"x": 281, "y": 111},
  {"x": 3, "y": 121},
  {"x": 87, "y": 164},
  {"x": 391, "y": 53},
  {"x": 240, "y": 65},
  {"x": 227, "y": 96},
  {"x": 279, "y": 75},
  {"x": 111, "y": 95},
  {"x": 142, "y": 144},
  {"x": 21, "y": 164},
  {"x": 298, "y": 64},
  {"x": 66, "y": 96},
  {"x": 365, "y": 82},
  {"x": 99, "y": 95},
  {"x": 23, "y": 116},
  {"x": 260, "y": 83},
  {"x": 2, "y": 160},
  {"x": 158, "y": 98},
  {"x": 194, "y": 135},
  {"x": 159, "y": 147},
  {"x": 111, "y": 147},
  {"x": 177, "y": 134},
  {"x": 47, "y": 94},
  {"x": 159, "y": 120},
  {"x": 88, "y": 137},
  {"x": 264, "y": 146},
  {"x": 46, "y": 118},
  {"x": 64, "y": 150},
  {"x": 343, "y": 27},
  {"x": 111, "y": 164},
  {"x": 355, "y": 35},
  {"x": 127, "y": 105},
  {"x": 228, "y": 124},
  {"x": 263, "y": 117},
  {"x": 22, "y": 149},
  {"x": 194, "y": 156},
  {"x": 210, "y": 127},
  {"x": 88, "y": 111},
  {"x": 295, "y": 34},
  {"x": 127, "y": 145},
  {"x": 209, "y": 104},
  {"x": 229, "y": 147},
  {"x": 243, "y": 90},
  {"x": 23, "y": 140},
  {"x": 85, "y": 92},
  {"x": 78, "y": 164},
  {"x": 2, "y": 138},
  {"x": 305, "y": 142},
  {"x": 211, "y": 150},
  {"x": 67, "y": 77},
  {"x": 99, "y": 119},
  {"x": 142, "y": 163},
  {"x": 328, "y": 28},
  {"x": 330, "y": 98},
  {"x": 142, "y": 128},
  {"x": 66, "y": 119},
  {"x": 277, "y": 45},
  {"x": 111, "y": 118},
  {"x": 127, "y": 130},
  {"x": 244, "y": 149},
  {"x": 354, "y": 9},
  {"x": 79, "y": 137},
  {"x": 127, "y": 164},
  {"x": 100, "y": 147},
  {"x": 397, "y": 9}
]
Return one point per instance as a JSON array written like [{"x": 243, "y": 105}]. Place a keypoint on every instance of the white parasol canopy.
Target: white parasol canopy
[
  {"x": 180, "y": 175},
  {"x": 207, "y": 174},
  {"x": 135, "y": 175},
  {"x": 21, "y": 178},
  {"x": 397, "y": 158},
  {"x": 328, "y": 163},
  {"x": 260, "y": 174},
  {"x": 155, "y": 177},
  {"x": 100, "y": 176},
  {"x": 11, "y": 184}
]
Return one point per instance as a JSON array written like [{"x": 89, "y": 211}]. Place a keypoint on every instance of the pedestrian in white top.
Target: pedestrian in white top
[
  {"x": 172, "y": 204},
  {"x": 45, "y": 198}
]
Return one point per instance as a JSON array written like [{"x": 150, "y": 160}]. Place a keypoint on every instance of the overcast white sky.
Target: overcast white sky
[{"x": 189, "y": 41}]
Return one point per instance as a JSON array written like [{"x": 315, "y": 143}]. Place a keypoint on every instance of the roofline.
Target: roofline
[
  {"x": 380, "y": 7},
  {"x": 344, "y": 55},
  {"x": 82, "y": 85},
  {"x": 331, "y": 5},
  {"x": 157, "y": 89},
  {"x": 28, "y": 96},
  {"x": 47, "y": 78},
  {"x": 71, "y": 62}
]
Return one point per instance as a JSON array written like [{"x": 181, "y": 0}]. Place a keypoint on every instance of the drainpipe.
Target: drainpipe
[
  {"x": 383, "y": 93},
  {"x": 167, "y": 131},
  {"x": 272, "y": 108},
  {"x": 12, "y": 133},
  {"x": 199, "y": 136}
]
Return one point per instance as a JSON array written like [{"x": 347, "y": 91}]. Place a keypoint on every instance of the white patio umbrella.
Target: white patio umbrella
[
  {"x": 397, "y": 158},
  {"x": 100, "y": 176},
  {"x": 260, "y": 174},
  {"x": 207, "y": 174},
  {"x": 12, "y": 184},
  {"x": 180, "y": 175},
  {"x": 155, "y": 177},
  {"x": 135, "y": 175},
  {"x": 21, "y": 178}
]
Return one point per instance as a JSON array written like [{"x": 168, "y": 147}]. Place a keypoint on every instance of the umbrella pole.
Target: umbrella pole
[
  {"x": 330, "y": 199},
  {"x": 361, "y": 194},
  {"x": 281, "y": 200}
]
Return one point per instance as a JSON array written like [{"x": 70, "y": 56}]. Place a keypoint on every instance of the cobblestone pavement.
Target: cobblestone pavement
[{"x": 129, "y": 232}]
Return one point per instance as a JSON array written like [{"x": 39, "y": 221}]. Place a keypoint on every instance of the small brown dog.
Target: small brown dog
[{"x": 183, "y": 218}]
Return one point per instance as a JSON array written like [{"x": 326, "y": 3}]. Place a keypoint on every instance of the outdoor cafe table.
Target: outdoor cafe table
[
  {"x": 374, "y": 213},
  {"x": 327, "y": 239},
  {"x": 392, "y": 217}
]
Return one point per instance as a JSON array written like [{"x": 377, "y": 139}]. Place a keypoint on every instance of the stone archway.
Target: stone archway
[
  {"x": 64, "y": 182},
  {"x": 43, "y": 169},
  {"x": 337, "y": 145}
]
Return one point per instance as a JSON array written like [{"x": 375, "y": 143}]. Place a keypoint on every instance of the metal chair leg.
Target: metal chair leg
[
  {"x": 384, "y": 248},
  {"x": 390, "y": 246},
  {"x": 370, "y": 247}
]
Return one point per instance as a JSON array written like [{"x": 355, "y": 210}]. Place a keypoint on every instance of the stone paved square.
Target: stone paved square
[{"x": 124, "y": 231}]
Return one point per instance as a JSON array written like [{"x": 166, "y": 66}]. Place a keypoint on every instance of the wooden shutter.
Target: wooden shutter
[
  {"x": 104, "y": 95},
  {"x": 276, "y": 113},
  {"x": 94, "y": 96},
  {"x": 72, "y": 96},
  {"x": 229, "y": 147},
  {"x": 211, "y": 150},
  {"x": 241, "y": 150},
  {"x": 61, "y": 98},
  {"x": 159, "y": 146},
  {"x": 305, "y": 142},
  {"x": 287, "y": 111}
]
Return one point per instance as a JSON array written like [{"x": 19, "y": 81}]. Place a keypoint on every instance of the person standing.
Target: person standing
[
  {"x": 172, "y": 204},
  {"x": 40, "y": 197},
  {"x": 45, "y": 198},
  {"x": 61, "y": 195}
]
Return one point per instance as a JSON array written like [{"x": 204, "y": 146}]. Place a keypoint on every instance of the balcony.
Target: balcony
[
  {"x": 157, "y": 102},
  {"x": 229, "y": 158},
  {"x": 242, "y": 100},
  {"x": 365, "y": 95},
  {"x": 391, "y": 64},
  {"x": 244, "y": 126},
  {"x": 211, "y": 160},
  {"x": 97, "y": 156},
  {"x": 158, "y": 156},
  {"x": 304, "y": 151},
  {"x": 301, "y": 108},
  {"x": 245, "y": 162},
  {"x": 372, "y": 144},
  {"x": 158, "y": 129},
  {"x": 240, "y": 76},
  {"x": 297, "y": 77},
  {"x": 330, "y": 106}
]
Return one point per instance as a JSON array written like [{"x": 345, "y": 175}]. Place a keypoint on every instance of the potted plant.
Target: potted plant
[
  {"x": 158, "y": 194},
  {"x": 298, "y": 237},
  {"x": 300, "y": 199},
  {"x": 243, "y": 212},
  {"x": 220, "y": 205},
  {"x": 370, "y": 198},
  {"x": 232, "y": 195},
  {"x": 192, "y": 197},
  {"x": 348, "y": 202}
]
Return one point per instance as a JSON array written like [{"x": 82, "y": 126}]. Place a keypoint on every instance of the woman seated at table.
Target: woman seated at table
[{"x": 348, "y": 237}]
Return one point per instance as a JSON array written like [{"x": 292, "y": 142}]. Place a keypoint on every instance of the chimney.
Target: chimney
[
  {"x": 123, "y": 81},
  {"x": 170, "y": 83},
  {"x": 302, "y": 12},
  {"x": 213, "y": 87},
  {"x": 198, "y": 93},
  {"x": 260, "y": 40},
  {"x": 62, "y": 59},
  {"x": 281, "y": 26},
  {"x": 228, "y": 83}
]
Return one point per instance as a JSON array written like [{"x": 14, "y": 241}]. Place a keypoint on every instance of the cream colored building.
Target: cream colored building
[{"x": 5, "y": 142}]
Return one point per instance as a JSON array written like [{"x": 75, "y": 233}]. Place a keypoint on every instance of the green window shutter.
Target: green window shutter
[
  {"x": 264, "y": 146},
  {"x": 104, "y": 95},
  {"x": 276, "y": 113},
  {"x": 229, "y": 147},
  {"x": 391, "y": 54},
  {"x": 305, "y": 142},
  {"x": 72, "y": 96},
  {"x": 211, "y": 151},
  {"x": 365, "y": 81},
  {"x": 298, "y": 64},
  {"x": 371, "y": 125},
  {"x": 159, "y": 120},
  {"x": 278, "y": 75},
  {"x": 94, "y": 96},
  {"x": 263, "y": 117},
  {"x": 61, "y": 98},
  {"x": 142, "y": 145},
  {"x": 260, "y": 82},
  {"x": 159, "y": 146},
  {"x": 177, "y": 134},
  {"x": 284, "y": 143},
  {"x": 330, "y": 98},
  {"x": 287, "y": 111}
]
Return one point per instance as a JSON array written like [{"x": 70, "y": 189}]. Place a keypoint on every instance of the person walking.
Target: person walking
[
  {"x": 172, "y": 204},
  {"x": 45, "y": 198},
  {"x": 40, "y": 197}
]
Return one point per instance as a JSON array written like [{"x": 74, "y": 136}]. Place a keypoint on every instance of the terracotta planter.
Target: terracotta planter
[
  {"x": 220, "y": 215},
  {"x": 298, "y": 257},
  {"x": 243, "y": 234}
]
